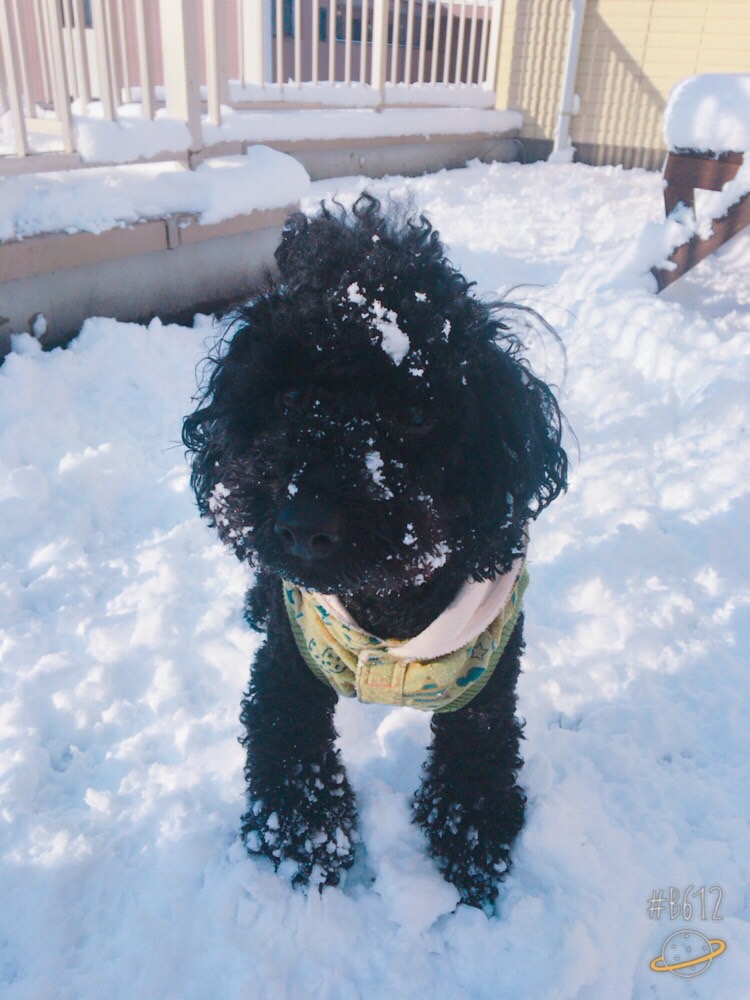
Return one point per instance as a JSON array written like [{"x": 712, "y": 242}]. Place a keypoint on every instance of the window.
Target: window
[
  {"x": 288, "y": 17},
  {"x": 402, "y": 25},
  {"x": 356, "y": 22}
]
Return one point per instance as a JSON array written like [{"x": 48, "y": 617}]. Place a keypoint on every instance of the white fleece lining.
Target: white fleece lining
[{"x": 470, "y": 612}]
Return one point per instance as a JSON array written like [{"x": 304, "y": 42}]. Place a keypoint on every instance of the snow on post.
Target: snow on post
[{"x": 710, "y": 112}]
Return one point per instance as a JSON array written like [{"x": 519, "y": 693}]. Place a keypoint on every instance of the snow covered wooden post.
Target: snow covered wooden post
[
  {"x": 707, "y": 128},
  {"x": 380, "y": 15},
  {"x": 683, "y": 173},
  {"x": 179, "y": 34}
]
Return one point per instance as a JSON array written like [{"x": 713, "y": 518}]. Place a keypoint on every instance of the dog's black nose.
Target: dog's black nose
[{"x": 310, "y": 530}]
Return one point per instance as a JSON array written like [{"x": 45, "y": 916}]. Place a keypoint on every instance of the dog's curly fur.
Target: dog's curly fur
[{"x": 372, "y": 430}]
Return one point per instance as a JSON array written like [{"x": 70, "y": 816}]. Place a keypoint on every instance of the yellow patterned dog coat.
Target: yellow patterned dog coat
[{"x": 440, "y": 670}]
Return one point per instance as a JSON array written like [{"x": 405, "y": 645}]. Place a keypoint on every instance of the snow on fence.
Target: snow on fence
[{"x": 61, "y": 58}]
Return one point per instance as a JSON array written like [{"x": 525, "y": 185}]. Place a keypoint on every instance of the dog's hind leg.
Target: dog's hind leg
[
  {"x": 301, "y": 810},
  {"x": 469, "y": 804}
]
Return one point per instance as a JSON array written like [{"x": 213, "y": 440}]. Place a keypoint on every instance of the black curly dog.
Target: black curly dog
[{"x": 468, "y": 452}]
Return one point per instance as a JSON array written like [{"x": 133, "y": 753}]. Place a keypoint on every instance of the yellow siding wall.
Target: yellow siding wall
[
  {"x": 531, "y": 63},
  {"x": 632, "y": 54}
]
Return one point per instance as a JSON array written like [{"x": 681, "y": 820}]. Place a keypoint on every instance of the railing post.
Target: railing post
[
  {"x": 10, "y": 60},
  {"x": 113, "y": 54},
  {"x": 494, "y": 44},
  {"x": 144, "y": 61},
  {"x": 41, "y": 43},
  {"x": 331, "y": 22},
  {"x": 254, "y": 16},
  {"x": 472, "y": 45},
  {"x": 364, "y": 39},
  {"x": 81, "y": 55},
  {"x": 348, "y": 32},
  {"x": 60, "y": 89},
  {"x": 380, "y": 15},
  {"x": 69, "y": 48},
  {"x": 179, "y": 35},
  {"x": 315, "y": 42},
  {"x": 103, "y": 65},
  {"x": 4, "y": 102},
  {"x": 30, "y": 103},
  {"x": 214, "y": 20},
  {"x": 297, "y": 42},
  {"x": 395, "y": 45},
  {"x": 435, "y": 43},
  {"x": 279, "y": 43},
  {"x": 121, "y": 45},
  {"x": 409, "y": 41},
  {"x": 448, "y": 44}
]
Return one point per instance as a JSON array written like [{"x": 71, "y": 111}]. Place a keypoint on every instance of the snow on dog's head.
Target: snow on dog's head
[{"x": 365, "y": 398}]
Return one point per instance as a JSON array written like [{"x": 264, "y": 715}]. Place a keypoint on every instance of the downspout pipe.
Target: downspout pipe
[{"x": 563, "y": 149}]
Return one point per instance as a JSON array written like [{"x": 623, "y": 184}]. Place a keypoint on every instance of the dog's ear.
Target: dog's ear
[
  {"x": 520, "y": 466},
  {"x": 222, "y": 420},
  {"x": 201, "y": 436}
]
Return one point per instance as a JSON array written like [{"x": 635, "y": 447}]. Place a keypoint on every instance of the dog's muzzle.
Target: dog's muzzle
[{"x": 309, "y": 529}]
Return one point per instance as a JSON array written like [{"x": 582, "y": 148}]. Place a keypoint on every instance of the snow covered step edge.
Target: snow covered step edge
[{"x": 63, "y": 251}]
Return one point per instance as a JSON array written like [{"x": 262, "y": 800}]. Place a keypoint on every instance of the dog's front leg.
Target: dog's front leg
[
  {"x": 469, "y": 804},
  {"x": 300, "y": 805}
]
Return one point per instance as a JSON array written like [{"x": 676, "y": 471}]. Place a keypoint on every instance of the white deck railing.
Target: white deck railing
[{"x": 62, "y": 58}]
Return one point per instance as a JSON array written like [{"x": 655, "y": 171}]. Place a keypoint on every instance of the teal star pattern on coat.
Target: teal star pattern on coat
[{"x": 471, "y": 675}]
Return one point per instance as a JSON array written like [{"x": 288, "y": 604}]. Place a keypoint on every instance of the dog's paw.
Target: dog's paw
[
  {"x": 307, "y": 828},
  {"x": 468, "y": 844}
]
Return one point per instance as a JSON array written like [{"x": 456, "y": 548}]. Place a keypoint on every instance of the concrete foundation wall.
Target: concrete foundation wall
[
  {"x": 408, "y": 159},
  {"x": 173, "y": 284}
]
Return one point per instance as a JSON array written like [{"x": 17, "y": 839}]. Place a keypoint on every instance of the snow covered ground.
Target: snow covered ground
[{"x": 124, "y": 654}]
